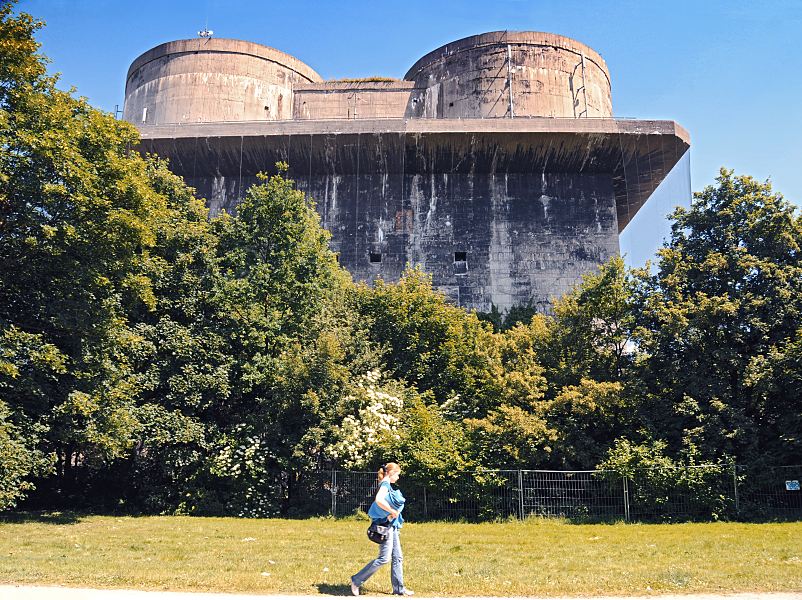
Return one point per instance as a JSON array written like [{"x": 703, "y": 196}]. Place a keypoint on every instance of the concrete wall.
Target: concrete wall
[
  {"x": 545, "y": 75},
  {"x": 497, "y": 74},
  {"x": 526, "y": 238},
  {"x": 358, "y": 100},
  {"x": 638, "y": 153},
  {"x": 209, "y": 80},
  {"x": 531, "y": 211}
]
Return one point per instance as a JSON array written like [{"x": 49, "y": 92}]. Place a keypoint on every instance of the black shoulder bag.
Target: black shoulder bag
[{"x": 378, "y": 533}]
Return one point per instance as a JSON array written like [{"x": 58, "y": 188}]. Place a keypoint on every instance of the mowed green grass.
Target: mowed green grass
[{"x": 535, "y": 557}]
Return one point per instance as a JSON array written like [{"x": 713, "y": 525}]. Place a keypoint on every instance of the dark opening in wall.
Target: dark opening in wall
[
  {"x": 460, "y": 263},
  {"x": 375, "y": 257}
]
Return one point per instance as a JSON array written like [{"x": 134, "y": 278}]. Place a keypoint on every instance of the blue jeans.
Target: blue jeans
[{"x": 389, "y": 551}]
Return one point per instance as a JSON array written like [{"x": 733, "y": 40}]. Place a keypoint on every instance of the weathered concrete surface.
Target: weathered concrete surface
[
  {"x": 497, "y": 74},
  {"x": 638, "y": 153},
  {"x": 531, "y": 204},
  {"x": 522, "y": 236},
  {"x": 208, "y": 80},
  {"x": 359, "y": 100},
  {"x": 9, "y": 592},
  {"x": 514, "y": 73},
  {"x": 429, "y": 171}
]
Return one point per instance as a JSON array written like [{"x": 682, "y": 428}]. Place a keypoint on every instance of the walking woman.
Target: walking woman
[{"x": 387, "y": 507}]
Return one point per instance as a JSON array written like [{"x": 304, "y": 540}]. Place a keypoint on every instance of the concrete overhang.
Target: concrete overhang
[{"x": 637, "y": 153}]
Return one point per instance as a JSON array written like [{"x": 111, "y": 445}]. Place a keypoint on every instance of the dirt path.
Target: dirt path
[{"x": 23, "y": 592}]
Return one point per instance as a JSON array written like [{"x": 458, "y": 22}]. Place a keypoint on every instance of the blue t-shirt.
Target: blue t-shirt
[{"x": 394, "y": 499}]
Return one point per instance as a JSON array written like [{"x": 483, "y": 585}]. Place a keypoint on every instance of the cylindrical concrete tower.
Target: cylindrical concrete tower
[
  {"x": 211, "y": 80},
  {"x": 520, "y": 74}
]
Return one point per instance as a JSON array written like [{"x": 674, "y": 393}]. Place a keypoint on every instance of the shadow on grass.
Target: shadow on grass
[
  {"x": 47, "y": 517},
  {"x": 332, "y": 589}
]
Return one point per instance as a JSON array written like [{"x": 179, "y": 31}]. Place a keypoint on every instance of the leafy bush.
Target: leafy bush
[
  {"x": 661, "y": 488},
  {"x": 20, "y": 461}
]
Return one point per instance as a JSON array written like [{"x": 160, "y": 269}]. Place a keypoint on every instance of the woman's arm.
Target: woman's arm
[{"x": 381, "y": 500}]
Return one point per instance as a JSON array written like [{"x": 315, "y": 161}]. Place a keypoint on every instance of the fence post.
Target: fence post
[
  {"x": 521, "y": 494},
  {"x": 333, "y": 493},
  {"x": 626, "y": 498},
  {"x": 735, "y": 487}
]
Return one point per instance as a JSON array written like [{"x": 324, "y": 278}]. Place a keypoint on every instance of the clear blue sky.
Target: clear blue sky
[{"x": 729, "y": 71}]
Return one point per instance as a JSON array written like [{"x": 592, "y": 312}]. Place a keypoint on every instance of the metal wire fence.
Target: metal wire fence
[{"x": 704, "y": 492}]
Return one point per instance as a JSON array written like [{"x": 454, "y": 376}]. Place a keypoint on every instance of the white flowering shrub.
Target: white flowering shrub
[
  {"x": 376, "y": 407},
  {"x": 242, "y": 460}
]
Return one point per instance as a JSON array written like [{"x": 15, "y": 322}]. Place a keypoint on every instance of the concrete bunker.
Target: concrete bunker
[{"x": 495, "y": 165}]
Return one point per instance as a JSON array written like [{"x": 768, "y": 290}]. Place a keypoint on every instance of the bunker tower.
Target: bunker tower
[{"x": 495, "y": 164}]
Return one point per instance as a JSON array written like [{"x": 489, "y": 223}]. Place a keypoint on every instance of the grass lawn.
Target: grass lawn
[{"x": 536, "y": 557}]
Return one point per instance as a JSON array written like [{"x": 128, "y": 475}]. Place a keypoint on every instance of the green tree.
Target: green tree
[
  {"x": 591, "y": 333},
  {"x": 433, "y": 345},
  {"x": 431, "y": 447},
  {"x": 510, "y": 437},
  {"x": 180, "y": 357},
  {"x": 725, "y": 302},
  {"x": 141, "y": 342},
  {"x": 21, "y": 460},
  {"x": 514, "y": 432},
  {"x": 586, "y": 418},
  {"x": 76, "y": 223},
  {"x": 568, "y": 381},
  {"x": 775, "y": 380},
  {"x": 296, "y": 352}
]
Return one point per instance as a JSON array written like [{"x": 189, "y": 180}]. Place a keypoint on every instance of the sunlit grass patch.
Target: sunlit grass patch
[{"x": 534, "y": 557}]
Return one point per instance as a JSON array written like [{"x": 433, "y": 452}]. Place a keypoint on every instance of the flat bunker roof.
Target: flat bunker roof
[{"x": 637, "y": 153}]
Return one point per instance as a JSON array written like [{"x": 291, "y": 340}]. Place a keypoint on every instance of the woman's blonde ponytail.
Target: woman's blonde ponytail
[{"x": 388, "y": 469}]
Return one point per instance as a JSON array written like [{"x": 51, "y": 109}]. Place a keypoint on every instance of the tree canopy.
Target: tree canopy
[{"x": 156, "y": 359}]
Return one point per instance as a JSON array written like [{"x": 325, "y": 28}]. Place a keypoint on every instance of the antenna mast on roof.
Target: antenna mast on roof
[{"x": 206, "y": 33}]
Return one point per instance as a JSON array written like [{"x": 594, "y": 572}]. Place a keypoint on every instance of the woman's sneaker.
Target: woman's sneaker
[
  {"x": 405, "y": 592},
  {"x": 354, "y": 588}
]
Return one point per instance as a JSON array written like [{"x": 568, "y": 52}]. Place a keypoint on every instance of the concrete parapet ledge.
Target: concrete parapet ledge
[
  {"x": 518, "y": 124},
  {"x": 638, "y": 153}
]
